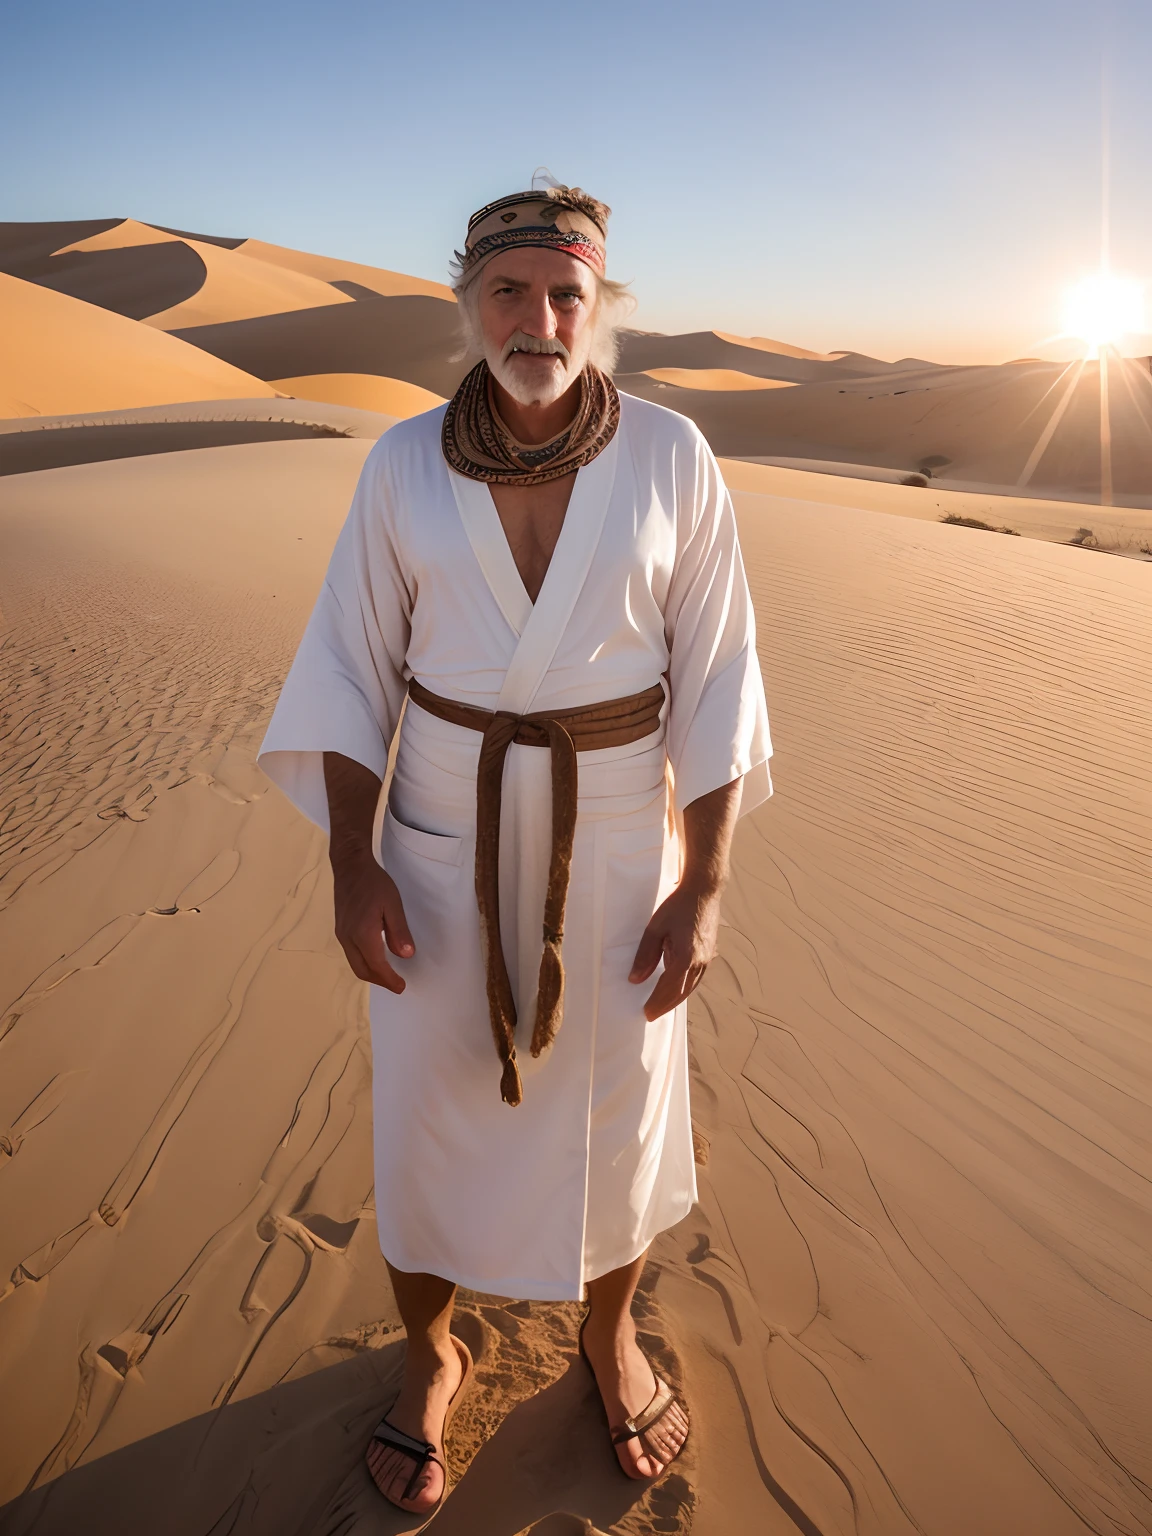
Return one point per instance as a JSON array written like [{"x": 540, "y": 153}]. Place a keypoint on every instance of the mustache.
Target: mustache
[{"x": 520, "y": 341}]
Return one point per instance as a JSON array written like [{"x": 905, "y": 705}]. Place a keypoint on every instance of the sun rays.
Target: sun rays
[
  {"x": 1104, "y": 310},
  {"x": 1105, "y": 313}
]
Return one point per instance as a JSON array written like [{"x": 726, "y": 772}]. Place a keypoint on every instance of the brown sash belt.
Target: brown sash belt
[{"x": 564, "y": 732}]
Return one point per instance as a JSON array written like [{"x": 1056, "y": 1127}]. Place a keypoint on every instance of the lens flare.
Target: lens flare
[{"x": 1102, "y": 309}]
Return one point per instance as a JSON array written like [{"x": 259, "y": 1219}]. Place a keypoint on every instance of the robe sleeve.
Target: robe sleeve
[
  {"x": 717, "y": 728},
  {"x": 346, "y": 687}
]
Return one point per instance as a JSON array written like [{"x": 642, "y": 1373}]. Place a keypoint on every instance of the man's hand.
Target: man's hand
[
  {"x": 683, "y": 929},
  {"x": 368, "y": 906},
  {"x": 367, "y": 902}
]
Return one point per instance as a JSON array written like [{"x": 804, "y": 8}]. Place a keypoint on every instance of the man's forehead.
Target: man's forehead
[{"x": 576, "y": 277}]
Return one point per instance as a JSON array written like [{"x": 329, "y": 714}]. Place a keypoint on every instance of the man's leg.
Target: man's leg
[
  {"x": 623, "y": 1374},
  {"x": 432, "y": 1372}
]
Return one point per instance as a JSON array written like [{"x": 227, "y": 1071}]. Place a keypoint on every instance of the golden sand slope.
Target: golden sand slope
[
  {"x": 60, "y": 354},
  {"x": 914, "y": 1296},
  {"x": 1119, "y": 530},
  {"x": 189, "y": 281},
  {"x": 367, "y": 391},
  {"x": 923, "y": 1061},
  {"x": 236, "y": 287},
  {"x": 714, "y": 378},
  {"x": 777, "y": 348},
  {"x": 1030, "y": 427},
  {"x": 128, "y": 232},
  {"x": 187, "y": 1015},
  {"x": 331, "y": 269}
]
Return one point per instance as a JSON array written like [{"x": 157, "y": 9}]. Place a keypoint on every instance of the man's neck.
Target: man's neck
[{"x": 536, "y": 423}]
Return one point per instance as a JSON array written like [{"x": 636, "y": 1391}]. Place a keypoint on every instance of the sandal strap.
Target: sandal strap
[
  {"x": 662, "y": 1399},
  {"x": 420, "y": 1451},
  {"x": 388, "y": 1434}
]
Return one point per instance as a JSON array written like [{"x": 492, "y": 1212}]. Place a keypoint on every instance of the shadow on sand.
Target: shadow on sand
[{"x": 289, "y": 1462}]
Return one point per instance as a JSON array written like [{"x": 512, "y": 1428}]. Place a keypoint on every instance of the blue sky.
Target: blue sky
[{"x": 903, "y": 177}]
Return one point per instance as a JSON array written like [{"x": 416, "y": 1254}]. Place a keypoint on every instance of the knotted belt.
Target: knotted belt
[{"x": 564, "y": 732}]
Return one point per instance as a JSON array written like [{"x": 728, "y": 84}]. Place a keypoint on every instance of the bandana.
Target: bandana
[
  {"x": 478, "y": 445},
  {"x": 557, "y": 218}
]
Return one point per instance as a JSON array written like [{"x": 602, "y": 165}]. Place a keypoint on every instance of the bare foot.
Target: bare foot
[
  {"x": 627, "y": 1386},
  {"x": 430, "y": 1381}
]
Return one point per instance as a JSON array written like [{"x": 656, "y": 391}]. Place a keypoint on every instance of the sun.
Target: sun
[{"x": 1102, "y": 309}]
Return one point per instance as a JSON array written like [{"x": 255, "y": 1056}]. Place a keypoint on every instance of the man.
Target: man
[{"x": 550, "y": 571}]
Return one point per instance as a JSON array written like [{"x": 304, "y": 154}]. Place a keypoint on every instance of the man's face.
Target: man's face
[{"x": 536, "y": 309}]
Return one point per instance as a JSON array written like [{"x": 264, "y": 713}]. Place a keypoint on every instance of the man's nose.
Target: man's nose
[{"x": 539, "y": 319}]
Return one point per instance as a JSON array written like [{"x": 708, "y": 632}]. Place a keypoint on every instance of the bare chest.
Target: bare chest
[{"x": 532, "y": 517}]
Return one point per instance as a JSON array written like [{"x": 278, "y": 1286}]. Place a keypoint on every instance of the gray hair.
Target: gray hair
[{"x": 614, "y": 305}]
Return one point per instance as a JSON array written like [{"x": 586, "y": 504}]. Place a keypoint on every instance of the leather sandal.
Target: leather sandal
[
  {"x": 421, "y": 1452},
  {"x": 637, "y": 1427}
]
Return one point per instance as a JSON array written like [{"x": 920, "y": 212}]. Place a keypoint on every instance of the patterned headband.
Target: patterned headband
[{"x": 558, "y": 218}]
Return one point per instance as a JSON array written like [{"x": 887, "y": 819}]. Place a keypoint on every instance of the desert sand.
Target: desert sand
[
  {"x": 714, "y": 378},
  {"x": 367, "y": 391},
  {"x": 914, "y": 1294},
  {"x": 1025, "y": 428},
  {"x": 352, "y": 273},
  {"x": 913, "y": 1297},
  {"x": 349, "y": 333},
  {"x": 62, "y": 355},
  {"x": 1114, "y": 530}
]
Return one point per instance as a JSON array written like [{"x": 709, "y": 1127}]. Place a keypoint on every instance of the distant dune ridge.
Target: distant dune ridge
[
  {"x": 355, "y": 334},
  {"x": 914, "y": 1297}
]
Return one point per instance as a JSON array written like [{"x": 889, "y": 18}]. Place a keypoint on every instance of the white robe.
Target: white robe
[{"x": 646, "y": 582}]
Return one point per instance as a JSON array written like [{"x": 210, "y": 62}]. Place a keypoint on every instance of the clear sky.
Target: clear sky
[{"x": 901, "y": 177}]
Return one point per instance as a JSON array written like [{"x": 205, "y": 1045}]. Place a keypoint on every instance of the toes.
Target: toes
[
  {"x": 391, "y": 1470},
  {"x": 637, "y": 1462},
  {"x": 665, "y": 1439}
]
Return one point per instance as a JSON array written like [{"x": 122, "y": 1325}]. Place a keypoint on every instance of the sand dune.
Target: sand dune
[
  {"x": 236, "y": 287},
  {"x": 61, "y": 355},
  {"x": 90, "y": 260},
  {"x": 914, "y": 1296},
  {"x": 777, "y": 348},
  {"x": 53, "y": 442},
  {"x": 925, "y": 1043},
  {"x": 174, "y": 280},
  {"x": 714, "y": 378},
  {"x": 127, "y": 232},
  {"x": 1032, "y": 427},
  {"x": 1116, "y": 530},
  {"x": 23, "y": 452},
  {"x": 332, "y": 270},
  {"x": 642, "y": 352},
  {"x": 348, "y": 420},
  {"x": 392, "y": 397},
  {"x": 1028, "y": 427},
  {"x": 410, "y": 337},
  {"x": 153, "y": 275},
  {"x": 26, "y": 244}
]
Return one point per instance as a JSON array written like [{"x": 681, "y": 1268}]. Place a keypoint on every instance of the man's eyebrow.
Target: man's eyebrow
[{"x": 500, "y": 280}]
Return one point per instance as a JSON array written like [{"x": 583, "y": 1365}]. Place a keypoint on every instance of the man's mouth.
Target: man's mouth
[{"x": 523, "y": 344}]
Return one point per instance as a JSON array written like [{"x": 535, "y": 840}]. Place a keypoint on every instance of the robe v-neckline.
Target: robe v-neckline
[{"x": 538, "y": 626}]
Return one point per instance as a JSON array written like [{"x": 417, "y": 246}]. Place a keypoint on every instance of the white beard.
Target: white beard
[{"x": 529, "y": 383}]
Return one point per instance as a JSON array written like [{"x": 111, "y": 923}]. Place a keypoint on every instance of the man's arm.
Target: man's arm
[
  {"x": 684, "y": 927},
  {"x": 367, "y": 900}
]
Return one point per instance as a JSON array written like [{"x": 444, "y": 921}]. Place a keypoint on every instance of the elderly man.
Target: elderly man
[{"x": 541, "y": 585}]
